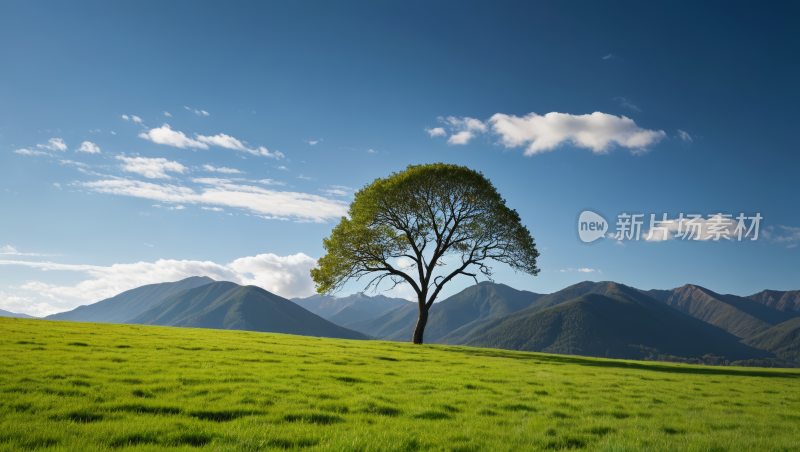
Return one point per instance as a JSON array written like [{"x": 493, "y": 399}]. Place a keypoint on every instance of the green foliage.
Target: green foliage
[
  {"x": 210, "y": 390},
  {"x": 438, "y": 209}
]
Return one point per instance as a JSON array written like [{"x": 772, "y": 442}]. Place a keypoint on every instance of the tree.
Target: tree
[{"x": 424, "y": 214}]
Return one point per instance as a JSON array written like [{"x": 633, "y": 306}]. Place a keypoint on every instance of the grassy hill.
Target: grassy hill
[
  {"x": 130, "y": 303},
  {"x": 608, "y": 319},
  {"x": 229, "y": 306},
  {"x": 82, "y": 386},
  {"x": 782, "y": 339}
]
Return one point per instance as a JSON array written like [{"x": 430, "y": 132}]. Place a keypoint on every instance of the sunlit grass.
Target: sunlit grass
[{"x": 82, "y": 386}]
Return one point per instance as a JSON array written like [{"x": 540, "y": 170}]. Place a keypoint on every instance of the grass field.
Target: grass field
[{"x": 82, "y": 386}]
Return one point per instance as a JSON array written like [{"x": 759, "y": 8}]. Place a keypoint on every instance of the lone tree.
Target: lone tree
[{"x": 424, "y": 214}]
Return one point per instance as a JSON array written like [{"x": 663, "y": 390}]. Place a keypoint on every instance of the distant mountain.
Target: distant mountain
[
  {"x": 19, "y": 316},
  {"x": 611, "y": 320},
  {"x": 388, "y": 322},
  {"x": 782, "y": 301},
  {"x": 130, "y": 303},
  {"x": 229, "y": 306},
  {"x": 361, "y": 307},
  {"x": 464, "y": 310},
  {"x": 782, "y": 339},
  {"x": 742, "y": 317}
]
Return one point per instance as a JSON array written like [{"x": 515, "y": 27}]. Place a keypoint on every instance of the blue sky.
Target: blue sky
[{"x": 108, "y": 110}]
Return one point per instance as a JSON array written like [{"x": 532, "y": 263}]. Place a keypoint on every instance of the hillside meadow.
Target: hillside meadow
[{"x": 88, "y": 387}]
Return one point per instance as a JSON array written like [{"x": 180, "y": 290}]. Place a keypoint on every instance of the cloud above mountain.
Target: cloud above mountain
[{"x": 287, "y": 276}]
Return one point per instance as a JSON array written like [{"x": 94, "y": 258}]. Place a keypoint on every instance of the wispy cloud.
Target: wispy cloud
[
  {"x": 624, "y": 102},
  {"x": 465, "y": 128},
  {"x": 55, "y": 144},
  {"x": 166, "y": 113},
  {"x": 8, "y": 249},
  {"x": 151, "y": 168},
  {"x": 270, "y": 182},
  {"x": 371, "y": 151},
  {"x": 221, "y": 170},
  {"x": 581, "y": 270},
  {"x": 305, "y": 178},
  {"x": 215, "y": 209},
  {"x": 684, "y": 136},
  {"x": 33, "y": 152},
  {"x": 73, "y": 163},
  {"x": 222, "y": 192},
  {"x": 165, "y": 135},
  {"x": 197, "y": 112}
]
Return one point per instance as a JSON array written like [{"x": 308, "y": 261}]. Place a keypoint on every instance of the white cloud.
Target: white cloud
[
  {"x": 73, "y": 163},
  {"x": 286, "y": 276},
  {"x": 581, "y": 270},
  {"x": 136, "y": 119},
  {"x": 598, "y": 132},
  {"x": 125, "y": 117},
  {"x": 215, "y": 209},
  {"x": 369, "y": 151},
  {"x": 166, "y": 113},
  {"x": 150, "y": 168},
  {"x": 8, "y": 249},
  {"x": 33, "y": 152},
  {"x": 270, "y": 182},
  {"x": 465, "y": 128},
  {"x": 55, "y": 144},
  {"x": 197, "y": 112},
  {"x": 436, "y": 132},
  {"x": 221, "y": 170},
  {"x": 25, "y": 305},
  {"x": 88, "y": 146},
  {"x": 305, "y": 178},
  {"x": 112, "y": 133},
  {"x": 176, "y": 208},
  {"x": 338, "y": 190},
  {"x": 57, "y": 185},
  {"x": 221, "y": 192},
  {"x": 225, "y": 141},
  {"x": 165, "y": 135},
  {"x": 283, "y": 168},
  {"x": 312, "y": 143},
  {"x": 277, "y": 155},
  {"x": 684, "y": 136}
]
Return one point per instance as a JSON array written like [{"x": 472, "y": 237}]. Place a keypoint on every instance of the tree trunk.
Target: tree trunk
[{"x": 421, "y": 321}]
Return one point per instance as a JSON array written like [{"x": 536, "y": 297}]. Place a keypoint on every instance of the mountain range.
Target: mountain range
[
  {"x": 200, "y": 302},
  {"x": 604, "y": 319},
  {"x": 351, "y": 308},
  {"x": 4, "y": 313}
]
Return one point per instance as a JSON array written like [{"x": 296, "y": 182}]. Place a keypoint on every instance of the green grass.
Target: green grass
[{"x": 154, "y": 388}]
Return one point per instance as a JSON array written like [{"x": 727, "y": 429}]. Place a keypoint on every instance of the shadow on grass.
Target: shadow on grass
[{"x": 598, "y": 362}]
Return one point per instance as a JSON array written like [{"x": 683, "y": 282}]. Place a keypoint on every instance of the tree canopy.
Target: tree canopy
[{"x": 424, "y": 214}]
